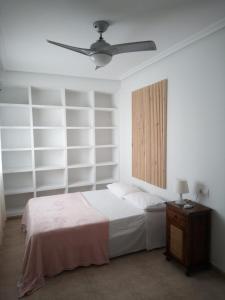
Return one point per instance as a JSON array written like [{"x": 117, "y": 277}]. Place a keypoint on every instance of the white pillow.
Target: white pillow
[
  {"x": 120, "y": 189},
  {"x": 145, "y": 201}
]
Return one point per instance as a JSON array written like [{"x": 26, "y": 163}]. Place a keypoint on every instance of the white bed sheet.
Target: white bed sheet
[{"x": 130, "y": 228}]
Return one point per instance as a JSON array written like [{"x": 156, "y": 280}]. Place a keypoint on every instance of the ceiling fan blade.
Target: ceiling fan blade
[
  {"x": 84, "y": 51},
  {"x": 130, "y": 47}
]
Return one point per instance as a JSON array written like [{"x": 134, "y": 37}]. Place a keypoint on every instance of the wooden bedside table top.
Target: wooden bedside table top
[{"x": 197, "y": 208}]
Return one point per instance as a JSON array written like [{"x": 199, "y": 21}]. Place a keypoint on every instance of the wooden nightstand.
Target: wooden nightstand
[{"x": 188, "y": 235}]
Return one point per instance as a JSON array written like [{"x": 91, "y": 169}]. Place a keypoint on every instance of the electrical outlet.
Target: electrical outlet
[{"x": 203, "y": 191}]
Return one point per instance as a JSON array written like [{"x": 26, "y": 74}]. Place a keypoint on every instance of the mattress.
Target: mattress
[{"x": 131, "y": 229}]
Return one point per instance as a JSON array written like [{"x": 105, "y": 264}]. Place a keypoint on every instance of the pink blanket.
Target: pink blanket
[{"x": 63, "y": 232}]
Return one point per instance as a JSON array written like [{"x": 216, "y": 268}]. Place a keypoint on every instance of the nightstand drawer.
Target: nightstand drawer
[{"x": 176, "y": 217}]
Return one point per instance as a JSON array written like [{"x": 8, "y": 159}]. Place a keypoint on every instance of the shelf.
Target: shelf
[
  {"x": 105, "y": 181},
  {"x": 78, "y": 118},
  {"x": 107, "y": 163},
  {"x": 102, "y": 186},
  {"x": 14, "y": 170},
  {"x": 50, "y": 187},
  {"x": 78, "y": 108},
  {"x": 106, "y": 146},
  {"x": 77, "y": 98},
  {"x": 48, "y": 168},
  {"x": 10, "y": 213},
  {"x": 48, "y": 127},
  {"x": 49, "y": 138},
  {"x": 80, "y": 166},
  {"x": 76, "y": 137},
  {"x": 15, "y": 149},
  {"x": 23, "y": 190},
  {"x": 14, "y": 116},
  {"x": 15, "y": 203},
  {"x": 70, "y": 144},
  {"x": 80, "y": 147},
  {"x": 78, "y": 175},
  {"x": 52, "y": 192},
  {"x": 15, "y": 127},
  {"x": 15, "y": 162},
  {"x": 12, "y": 139},
  {"x": 14, "y": 95},
  {"x": 105, "y": 137},
  {"x": 80, "y": 183},
  {"x": 50, "y": 179},
  {"x": 109, "y": 127},
  {"x": 84, "y": 127},
  {"x": 47, "y": 106},
  {"x": 48, "y": 148},
  {"x": 47, "y": 160},
  {"x": 80, "y": 156},
  {"x": 106, "y": 155},
  {"x": 13, "y": 105},
  {"x": 46, "y": 97},
  {"x": 48, "y": 117},
  {"x": 80, "y": 189},
  {"x": 104, "y": 101},
  {"x": 105, "y": 118},
  {"x": 106, "y": 172},
  {"x": 105, "y": 109},
  {"x": 17, "y": 183}
]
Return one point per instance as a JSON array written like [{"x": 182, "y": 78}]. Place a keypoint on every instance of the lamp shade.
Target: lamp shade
[
  {"x": 182, "y": 187},
  {"x": 100, "y": 59}
]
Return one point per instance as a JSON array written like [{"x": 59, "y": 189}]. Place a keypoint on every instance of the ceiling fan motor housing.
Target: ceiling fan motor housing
[{"x": 101, "y": 26}]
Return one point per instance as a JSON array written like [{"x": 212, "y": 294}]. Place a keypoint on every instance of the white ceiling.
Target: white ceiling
[{"x": 26, "y": 24}]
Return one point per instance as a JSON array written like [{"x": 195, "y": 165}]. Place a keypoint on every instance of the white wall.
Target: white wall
[
  {"x": 79, "y": 83},
  {"x": 196, "y": 126},
  {"x": 2, "y": 200}
]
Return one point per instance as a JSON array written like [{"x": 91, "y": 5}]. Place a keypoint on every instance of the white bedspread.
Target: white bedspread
[{"x": 129, "y": 227}]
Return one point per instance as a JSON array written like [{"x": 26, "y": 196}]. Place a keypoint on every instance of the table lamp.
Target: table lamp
[{"x": 181, "y": 188}]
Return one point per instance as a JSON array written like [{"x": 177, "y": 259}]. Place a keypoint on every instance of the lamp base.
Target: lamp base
[{"x": 180, "y": 202}]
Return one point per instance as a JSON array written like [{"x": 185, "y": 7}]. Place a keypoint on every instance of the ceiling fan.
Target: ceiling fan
[{"x": 101, "y": 52}]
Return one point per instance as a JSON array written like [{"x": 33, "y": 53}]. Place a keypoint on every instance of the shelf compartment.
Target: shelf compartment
[
  {"x": 81, "y": 189},
  {"x": 105, "y": 137},
  {"x": 51, "y": 179},
  {"x": 80, "y": 176},
  {"x": 77, "y": 98},
  {"x": 80, "y": 156},
  {"x": 12, "y": 139},
  {"x": 79, "y": 137},
  {"x": 101, "y": 186},
  {"x": 104, "y": 100},
  {"x": 106, "y": 155},
  {"x": 14, "y": 95},
  {"x": 105, "y": 118},
  {"x": 16, "y": 161},
  {"x": 49, "y": 138},
  {"x": 78, "y": 118},
  {"x": 15, "y": 203},
  {"x": 53, "y": 117},
  {"x": 106, "y": 173},
  {"x": 18, "y": 183},
  {"x": 50, "y": 193},
  {"x": 44, "y": 96},
  {"x": 14, "y": 116},
  {"x": 50, "y": 159}
]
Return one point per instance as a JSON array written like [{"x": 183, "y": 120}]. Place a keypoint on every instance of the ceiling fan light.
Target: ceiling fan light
[{"x": 101, "y": 59}]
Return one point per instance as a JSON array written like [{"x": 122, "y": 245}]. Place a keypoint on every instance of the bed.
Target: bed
[{"x": 91, "y": 227}]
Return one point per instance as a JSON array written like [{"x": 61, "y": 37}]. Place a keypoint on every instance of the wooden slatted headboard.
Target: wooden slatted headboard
[{"x": 149, "y": 120}]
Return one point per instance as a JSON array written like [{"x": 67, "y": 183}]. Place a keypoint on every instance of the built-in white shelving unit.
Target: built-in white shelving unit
[{"x": 56, "y": 141}]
